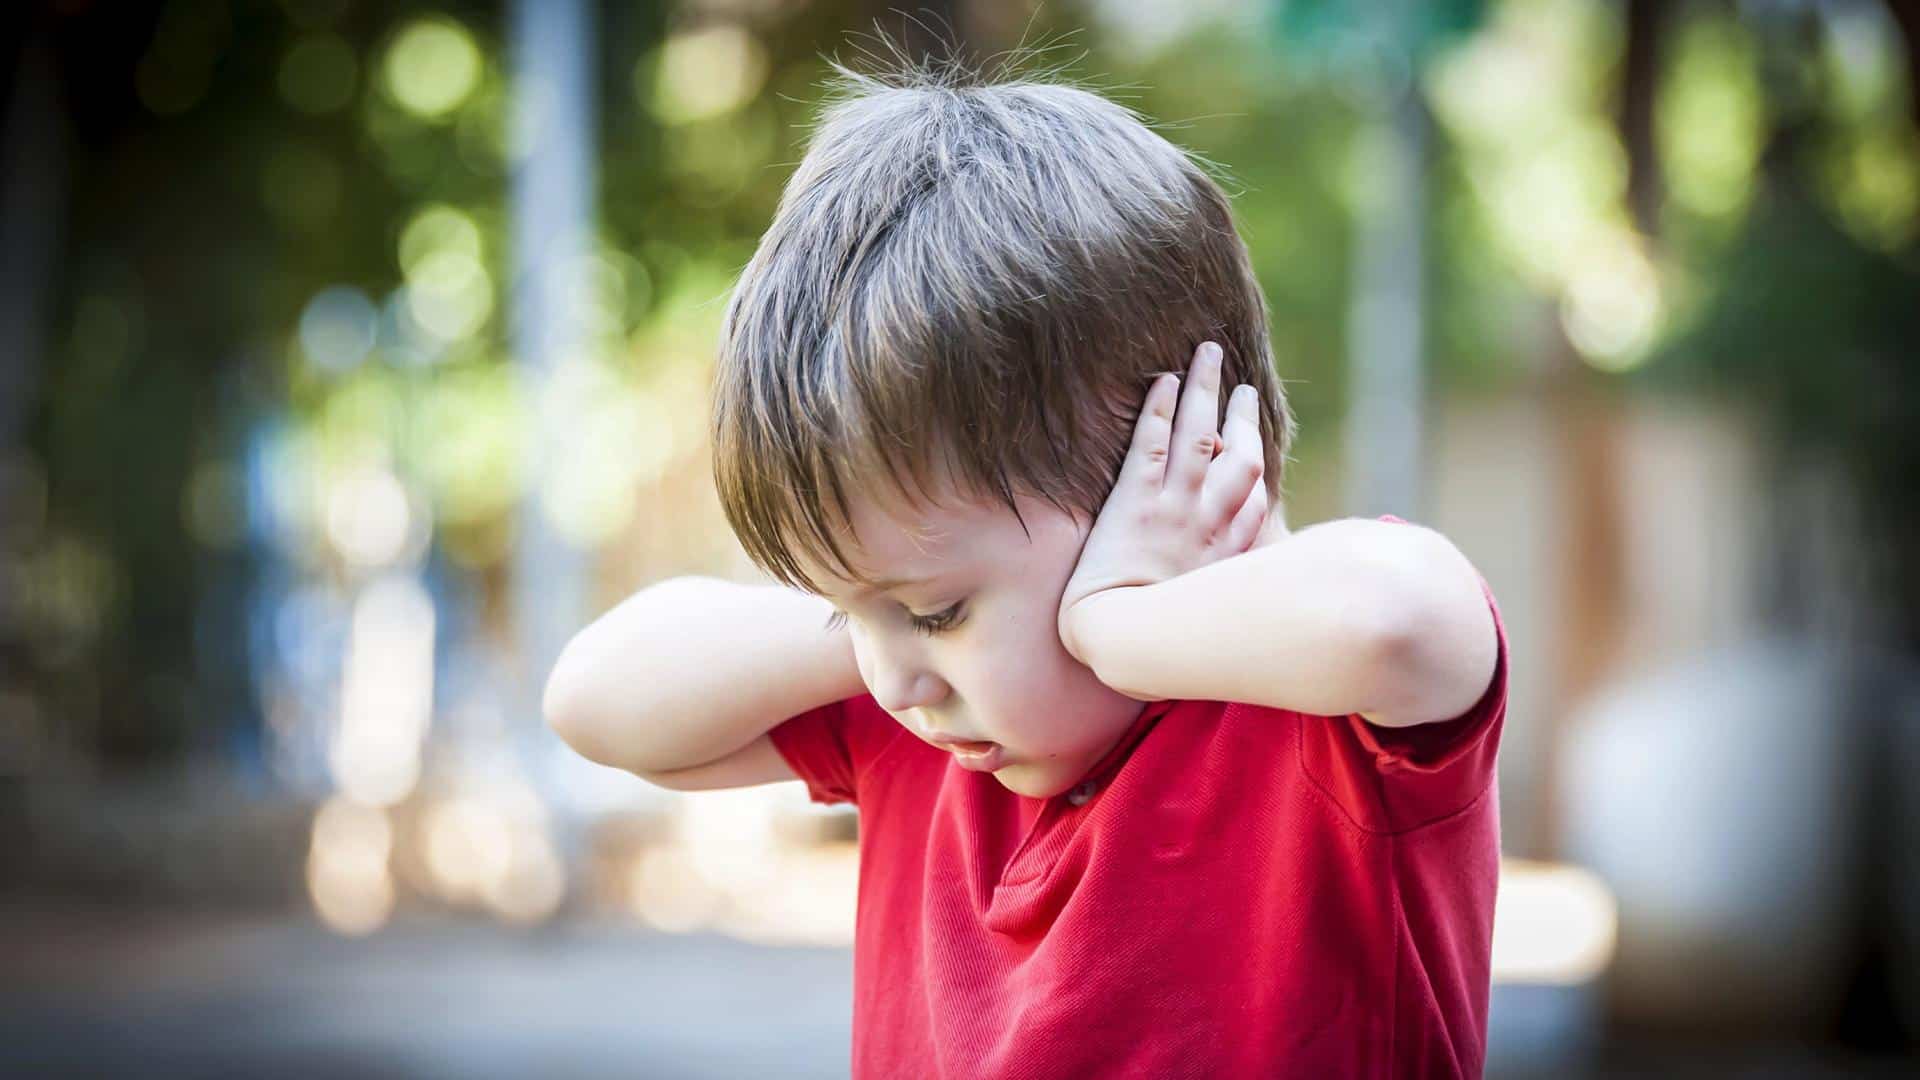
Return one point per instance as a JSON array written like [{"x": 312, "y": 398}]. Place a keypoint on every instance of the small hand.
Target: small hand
[{"x": 1183, "y": 499}]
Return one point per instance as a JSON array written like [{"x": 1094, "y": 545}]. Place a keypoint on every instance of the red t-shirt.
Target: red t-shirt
[{"x": 1234, "y": 891}]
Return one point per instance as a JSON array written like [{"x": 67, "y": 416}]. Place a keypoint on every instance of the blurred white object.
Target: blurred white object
[
  {"x": 386, "y": 692},
  {"x": 1554, "y": 932},
  {"x": 348, "y": 876},
  {"x": 1718, "y": 800},
  {"x": 1552, "y": 923}
]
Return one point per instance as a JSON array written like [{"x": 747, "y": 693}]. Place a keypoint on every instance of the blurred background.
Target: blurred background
[{"x": 353, "y": 355}]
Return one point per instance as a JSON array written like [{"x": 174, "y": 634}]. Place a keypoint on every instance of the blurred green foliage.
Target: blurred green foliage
[{"x": 287, "y": 263}]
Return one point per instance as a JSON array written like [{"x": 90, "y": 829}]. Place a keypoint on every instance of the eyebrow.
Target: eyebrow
[
  {"x": 882, "y": 585},
  {"x": 885, "y": 584}
]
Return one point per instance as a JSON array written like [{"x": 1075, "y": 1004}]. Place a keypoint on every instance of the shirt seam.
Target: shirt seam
[
  {"x": 857, "y": 773},
  {"x": 1399, "y": 920},
  {"x": 1321, "y": 789},
  {"x": 816, "y": 791}
]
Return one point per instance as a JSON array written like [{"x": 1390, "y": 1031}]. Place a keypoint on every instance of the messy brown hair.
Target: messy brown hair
[{"x": 978, "y": 275}]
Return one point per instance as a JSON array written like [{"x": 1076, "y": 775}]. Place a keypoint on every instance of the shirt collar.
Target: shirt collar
[{"x": 1109, "y": 764}]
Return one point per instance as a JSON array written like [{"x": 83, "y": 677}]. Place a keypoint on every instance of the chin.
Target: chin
[
  {"x": 1028, "y": 788},
  {"x": 1032, "y": 782}
]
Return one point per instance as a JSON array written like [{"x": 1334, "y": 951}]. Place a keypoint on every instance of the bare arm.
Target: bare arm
[
  {"x": 1188, "y": 588},
  {"x": 1354, "y": 616},
  {"x": 690, "y": 671}
]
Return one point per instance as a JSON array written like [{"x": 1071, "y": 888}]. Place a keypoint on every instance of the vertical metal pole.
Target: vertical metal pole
[
  {"x": 1385, "y": 436},
  {"x": 553, "y": 195}
]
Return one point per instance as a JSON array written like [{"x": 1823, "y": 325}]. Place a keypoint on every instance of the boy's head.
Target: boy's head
[{"x": 933, "y": 365}]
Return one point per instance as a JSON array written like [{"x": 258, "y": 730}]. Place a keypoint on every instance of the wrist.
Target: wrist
[{"x": 1082, "y": 619}]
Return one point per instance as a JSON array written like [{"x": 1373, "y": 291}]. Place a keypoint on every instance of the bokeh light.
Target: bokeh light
[
  {"x": 337, "y": 328},
  {"x": 432, "y": 67},
  {"x": 469, "y": 434},
  {"x": 468, "y": 844},
  {"x": 1710, "y": 121},
  {"x": 1611, "y": 308},
  {"x": 436, "y": 229},
  {"x": 386, "y": 692},
  {"x": 359, "y": 418},
  {"x": 347, "y": 867},
  {"x": 449, "y": 294},
  {"x": 368, "y": 518},
  {"x": 1874, "y": 179},
  {"x": 702, "y": 73},
  {"x": 616, "y": 438}
]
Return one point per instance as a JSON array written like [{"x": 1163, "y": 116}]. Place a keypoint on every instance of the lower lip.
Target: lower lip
[{"x": 979, "y": 761}]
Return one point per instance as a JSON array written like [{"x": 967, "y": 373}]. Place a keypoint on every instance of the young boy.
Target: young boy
[{"x": 1149, "y": 785}]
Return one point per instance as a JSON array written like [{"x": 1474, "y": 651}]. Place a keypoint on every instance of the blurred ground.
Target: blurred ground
[
  {"x": 99, "y": 991},
  {"x": 105, "y": 992}
]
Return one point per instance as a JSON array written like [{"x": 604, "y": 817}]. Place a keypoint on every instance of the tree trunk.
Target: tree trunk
[{"x": 1592, "y": 593}]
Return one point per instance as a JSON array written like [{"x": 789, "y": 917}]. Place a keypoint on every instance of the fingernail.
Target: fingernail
[{"x": 1210, "y": 352}]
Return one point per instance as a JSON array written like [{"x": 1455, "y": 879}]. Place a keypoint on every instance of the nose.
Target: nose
[
  {"x": 900, "y": 684},
  {"x": 900, "y": 691}
]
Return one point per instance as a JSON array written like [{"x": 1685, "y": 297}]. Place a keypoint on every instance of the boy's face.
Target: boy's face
[{"x": 972, "y": 650}]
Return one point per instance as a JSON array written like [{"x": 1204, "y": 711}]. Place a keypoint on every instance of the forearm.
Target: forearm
[
  {"x": 689, "y": 670},
  {"x": 1310, "y": 621}
]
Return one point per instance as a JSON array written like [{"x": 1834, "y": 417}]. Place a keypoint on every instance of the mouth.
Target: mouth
[
  {"x": 977, "y": 746},
  {"x": 977, "y": 756}
]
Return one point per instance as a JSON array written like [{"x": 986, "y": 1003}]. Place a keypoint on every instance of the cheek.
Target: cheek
[{"x": 1026, "y": 686}]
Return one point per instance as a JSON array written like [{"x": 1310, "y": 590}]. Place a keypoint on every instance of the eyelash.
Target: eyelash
[{"x": 938, "y": 623}]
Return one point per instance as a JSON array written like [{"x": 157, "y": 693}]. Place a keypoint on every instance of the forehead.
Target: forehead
[{"x": 893, "y": 541}]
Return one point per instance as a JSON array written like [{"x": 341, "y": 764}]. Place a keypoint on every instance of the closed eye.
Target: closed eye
[{"x": 938, "y": 623}]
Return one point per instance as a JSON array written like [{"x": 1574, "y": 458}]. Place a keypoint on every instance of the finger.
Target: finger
[
  {"x": 1196, "y": 425},
  {"x": 1246, "y": 524},
  {"x": 1240, "y": 466},
  {"x": 1146, "y": 463},
  {"x": 1242, "y": 429}
]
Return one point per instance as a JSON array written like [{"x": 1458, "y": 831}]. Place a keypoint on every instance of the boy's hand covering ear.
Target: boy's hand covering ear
[{"x": 1188, "y": 494}]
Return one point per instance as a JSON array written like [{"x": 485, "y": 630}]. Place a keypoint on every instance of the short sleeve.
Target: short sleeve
[
  {"x": 1398, "y": 779},
  {"x": 831, "y": 746}
]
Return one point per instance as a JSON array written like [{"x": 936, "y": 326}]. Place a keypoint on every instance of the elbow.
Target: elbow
[
  {"x": 1391, "y": 646},
  {"x": 1412, "y": 639},
  {"x": 1385, "y": 665},
  {"x": 568, "y": 707},
  {"x": 626, "y": 670}
]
